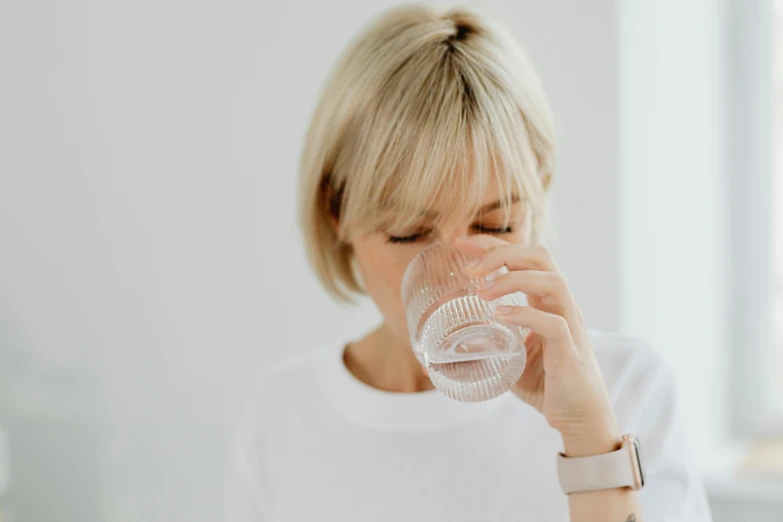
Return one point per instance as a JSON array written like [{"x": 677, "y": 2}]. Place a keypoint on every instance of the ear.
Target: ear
[
  {"x": 332, "y": 202},
  {"x": 334, "y": 223}
]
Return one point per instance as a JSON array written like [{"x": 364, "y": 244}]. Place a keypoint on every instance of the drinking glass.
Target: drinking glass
[{"x": 469, "y": 355}]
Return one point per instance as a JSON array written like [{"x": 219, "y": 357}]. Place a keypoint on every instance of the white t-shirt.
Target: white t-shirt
[{"x": 317, "y": 444}]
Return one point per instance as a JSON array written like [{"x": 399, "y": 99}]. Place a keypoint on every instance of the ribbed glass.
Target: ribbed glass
[{"x": 469, "y": 355}]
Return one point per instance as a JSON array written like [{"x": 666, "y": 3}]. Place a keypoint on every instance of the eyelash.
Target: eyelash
[{"x": 413, "y": 238}]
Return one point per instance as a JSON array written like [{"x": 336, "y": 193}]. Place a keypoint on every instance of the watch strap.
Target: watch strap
[{"x": 607, "y": 471}]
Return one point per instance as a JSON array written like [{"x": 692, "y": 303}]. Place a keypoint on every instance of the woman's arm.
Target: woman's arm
[
  {"x": 245, "y": 493},
  {"x": 562, "y": 378}
]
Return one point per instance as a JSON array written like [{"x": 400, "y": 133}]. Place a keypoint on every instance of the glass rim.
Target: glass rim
[{"x": 417, "y": 257}]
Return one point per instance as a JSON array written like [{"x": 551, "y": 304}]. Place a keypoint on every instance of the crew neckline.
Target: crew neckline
[{"x": 394, "y": 411}]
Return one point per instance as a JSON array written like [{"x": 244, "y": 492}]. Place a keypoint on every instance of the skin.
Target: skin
[{"x": 562, "y": 379}]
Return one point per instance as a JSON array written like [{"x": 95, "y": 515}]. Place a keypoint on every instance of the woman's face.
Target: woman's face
[{"x": 383, "y": 256}]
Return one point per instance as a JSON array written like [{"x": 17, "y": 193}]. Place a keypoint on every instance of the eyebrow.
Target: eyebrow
[
  {"x": 489, "y": 207},
  {"x": 497, "y": 204}
]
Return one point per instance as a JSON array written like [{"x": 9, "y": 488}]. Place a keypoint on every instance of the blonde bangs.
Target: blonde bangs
[{"x": 435, "y": 141}]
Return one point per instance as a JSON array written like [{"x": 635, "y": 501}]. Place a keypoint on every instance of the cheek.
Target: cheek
[
  {"x": 522, "y": 236},
  {"x": 381, "y": 269},
  {"x": 384, "y": 275}
]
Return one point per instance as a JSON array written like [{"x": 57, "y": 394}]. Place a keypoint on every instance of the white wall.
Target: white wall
[
  {"x": 673, "y": 249},
  {"x": 150, "y": 263},
  {"x": 685, "y": 168}
]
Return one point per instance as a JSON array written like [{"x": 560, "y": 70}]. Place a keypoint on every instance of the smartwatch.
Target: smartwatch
[{"x": 618, "y": 469}]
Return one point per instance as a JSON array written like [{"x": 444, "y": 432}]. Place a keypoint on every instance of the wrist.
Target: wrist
[{"x": 598, "y": 439}]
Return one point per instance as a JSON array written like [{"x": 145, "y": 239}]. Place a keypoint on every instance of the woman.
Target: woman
[{"x": 435, "y": 127}]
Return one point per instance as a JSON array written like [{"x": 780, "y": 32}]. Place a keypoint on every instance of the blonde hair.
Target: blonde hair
[{"x": 421, "y": 106}]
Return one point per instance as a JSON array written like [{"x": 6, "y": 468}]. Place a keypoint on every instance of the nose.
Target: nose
[{"x": 447, "y": 234}]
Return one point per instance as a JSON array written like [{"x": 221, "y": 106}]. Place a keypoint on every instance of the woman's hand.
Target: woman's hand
[{"x": 562, "y": 378}]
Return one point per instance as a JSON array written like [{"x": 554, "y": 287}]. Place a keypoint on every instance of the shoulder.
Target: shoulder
[
  {"x": 624, "y": 358},
  {"x": 289, "y": 372},
  {"x": 282, "y": 393},
  {"x": 637, "y": 377},
  {"x": 286, "y": 380},
  {"x": 268, "y": 408}
]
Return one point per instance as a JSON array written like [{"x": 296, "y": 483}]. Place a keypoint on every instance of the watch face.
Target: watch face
[
  {"x": 635, "y": 450},
  {"x": 638, "y": 450}
]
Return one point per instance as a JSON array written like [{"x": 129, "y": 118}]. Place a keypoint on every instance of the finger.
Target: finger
[
  {"x": 550, "y": 287},
  {"x": 531, "y": 282},
  {"x": 477, "y": 243},
  {"x": 492, "y": 253},
  {"x": 550, "y": 326},
  {"x": 513, "y": 257}
]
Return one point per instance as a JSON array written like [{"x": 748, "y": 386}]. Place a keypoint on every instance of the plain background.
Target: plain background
[{"x": 150, "y": 261}]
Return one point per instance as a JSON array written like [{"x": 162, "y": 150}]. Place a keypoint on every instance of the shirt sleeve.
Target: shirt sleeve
[
  {"x": 246, "y": 489},
  {"x": 673, "y": 489}
]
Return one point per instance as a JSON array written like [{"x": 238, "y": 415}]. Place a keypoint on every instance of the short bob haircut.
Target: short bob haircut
[{"x": 421, "y": 108}]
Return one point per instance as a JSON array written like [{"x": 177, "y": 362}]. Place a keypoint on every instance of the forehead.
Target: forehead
[{"x": 492, "y": 199}]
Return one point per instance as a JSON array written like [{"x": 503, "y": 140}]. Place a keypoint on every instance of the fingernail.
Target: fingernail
[
  {"x": 486, "y": 283},
  {"x": 472, "y": 260},
  {"x": 503, "y": 310}
]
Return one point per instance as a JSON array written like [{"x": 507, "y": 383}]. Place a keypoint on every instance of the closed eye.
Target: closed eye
[
  {"x": 406, "y": 239},
  {"x": 481, "y": 230},
  {"x": 489, "y": 230}
]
